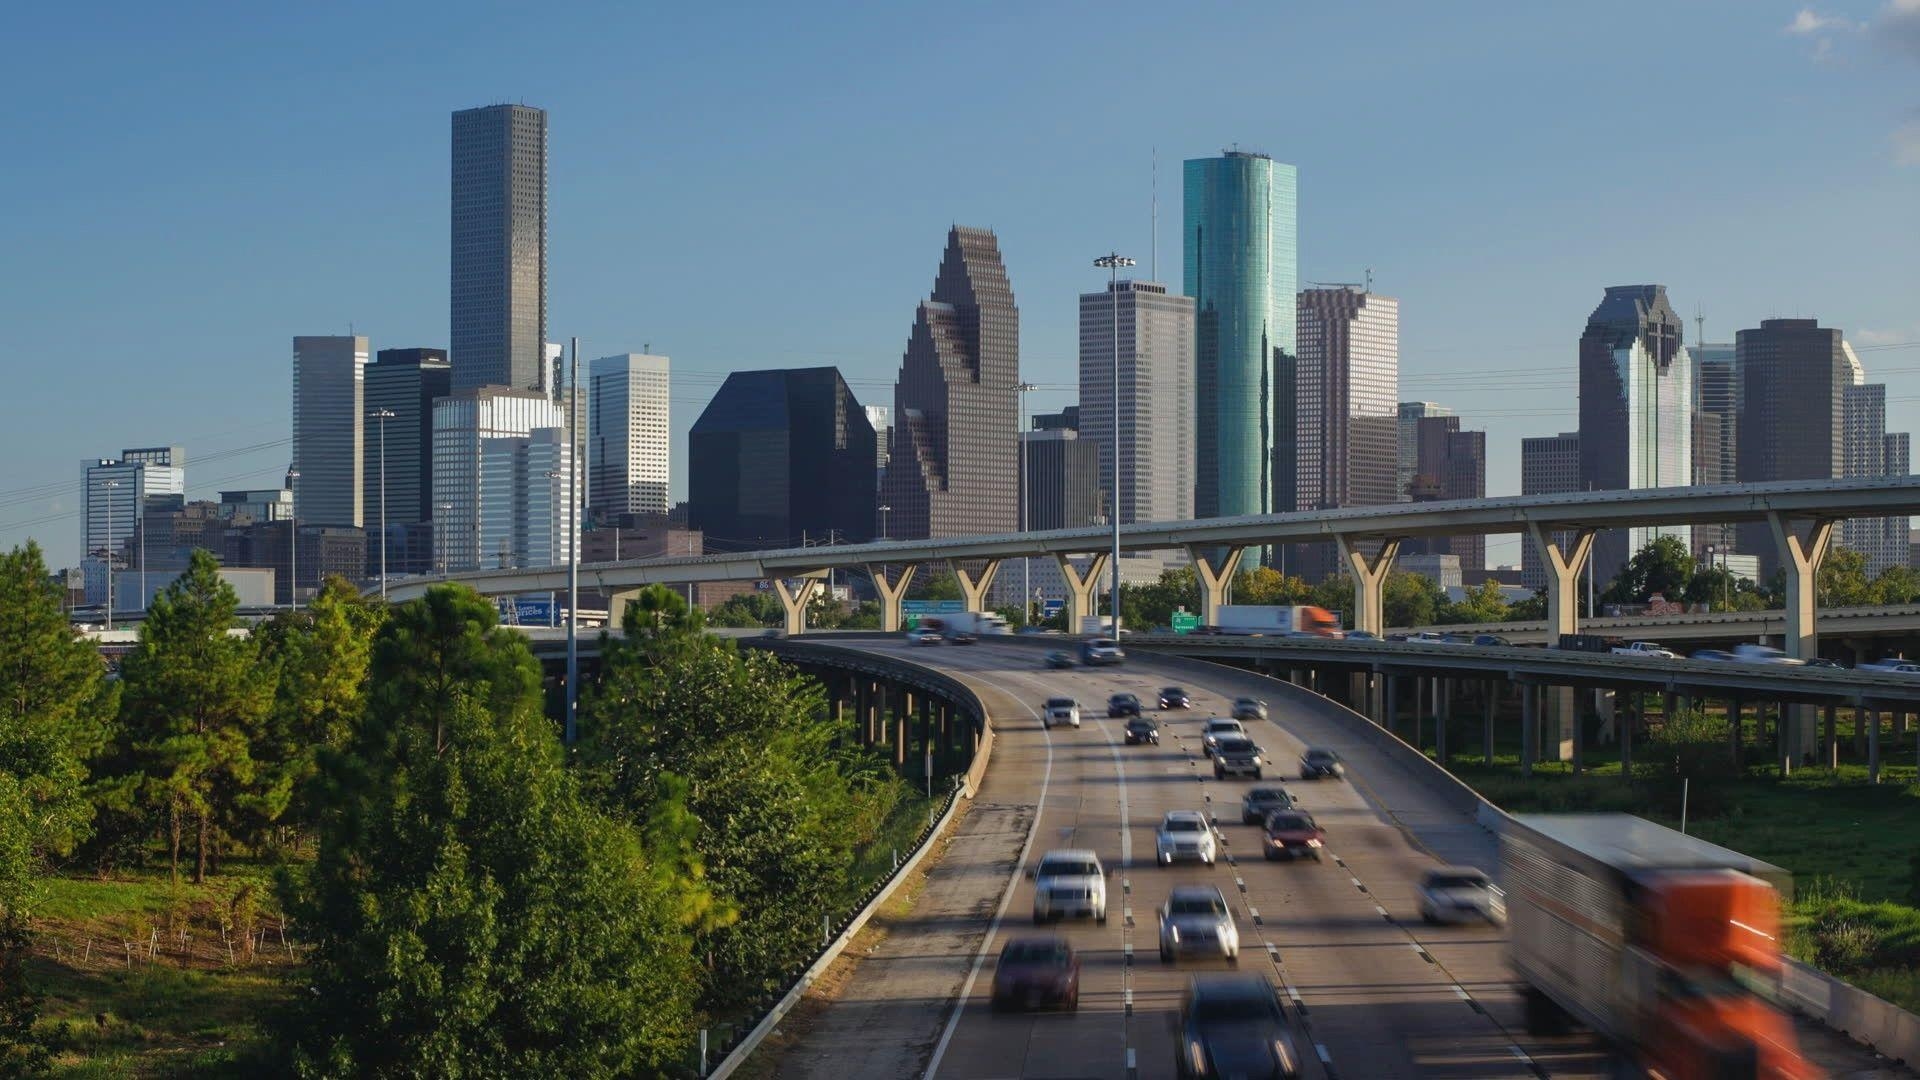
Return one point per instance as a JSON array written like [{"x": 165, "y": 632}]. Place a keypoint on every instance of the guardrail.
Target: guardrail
[
  {"x": 1881, "y": 1026},
  {"x": 964, "y": 787}
]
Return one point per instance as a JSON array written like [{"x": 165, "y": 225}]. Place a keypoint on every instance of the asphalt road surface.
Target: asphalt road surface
[{"x": 1372, "y": 990}]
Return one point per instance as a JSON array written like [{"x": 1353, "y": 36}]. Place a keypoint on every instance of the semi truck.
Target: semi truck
[
  {"x": 977, "y": 623},
  {"x": 1279, "y": 621},
  {"x": 1665, "y": 945}
]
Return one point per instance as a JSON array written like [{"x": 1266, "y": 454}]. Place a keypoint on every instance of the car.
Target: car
[
  {"x": 1247, "y": 708},
  {"x": 1233, "y": 1025},
  {"x": 1423, "y": 637},
  {"x": 1235, "y": 755},
  {"x": 1119, "y": 705},
  {"x": 1490, "y": 639},
  {"x": 1059, "y": 661},
  {"x": 1173, "y": 697},
  {"x": 1893, "y": 665},
  {"x": 1142, "y": 730},
  {"x": 1101, "y": 652},
  {"x": 1290, "y": 834},
  {"x": 923, "y": 636},
  {"x": 1069, "y": 882},
  {"x": 1764, "y": 654},
  {"x": 1318, "y": 761},
  {"x": 1362, "y": 635},
  {"x": 1211, "y": 731},
  {"x": 1830, "y": 662},
  {"x": 961, "y": 637},
  {"x": 1651, "y": 650},
  {"x": 1461, "y": 894},
  {"x": 1456, "y": 639},
  {"x": 1196, "y": 919},
  {"x": 1035, "y": 972},
  {"x": 1184, "y": 834},
  {"x": 1060, "y": 710},
  {"x": 1719, "y": 656},
  {"x": 1259, "y": 802}
]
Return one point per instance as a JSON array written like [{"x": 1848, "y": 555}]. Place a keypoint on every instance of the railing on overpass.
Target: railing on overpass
[{"x": 1723, "y": 625}]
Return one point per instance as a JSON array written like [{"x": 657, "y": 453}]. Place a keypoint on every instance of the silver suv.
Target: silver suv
[
  {"x": 1196, "y": 919},
  {"x": 1217, "y": 728},
  {"x": 1184, "y": 834},
  {"x": 1061, "y": 710},
  {"x": 1069, "y": 882}
]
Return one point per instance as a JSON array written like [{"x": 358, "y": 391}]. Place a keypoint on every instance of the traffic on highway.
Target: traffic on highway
[{"x": 1164, "y": 914}]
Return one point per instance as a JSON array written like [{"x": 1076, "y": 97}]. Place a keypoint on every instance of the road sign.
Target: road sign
[
  {"x": 932, "y": 607},
  {"x": 527, "y": 610},
  {"x": 1184, "y": 622},
  {"x": 1052, "y": 606}
]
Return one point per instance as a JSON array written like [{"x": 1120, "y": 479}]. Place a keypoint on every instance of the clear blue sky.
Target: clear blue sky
[{"x": 188, "y": 187}]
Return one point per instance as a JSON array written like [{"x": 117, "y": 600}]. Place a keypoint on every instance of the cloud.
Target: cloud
[
  {"x": 1809, "y": 21},
  {"x": 1871, "y": 337},
  {"x": 1906, "y": 141},
  {"x": 1898, "y": 26}
]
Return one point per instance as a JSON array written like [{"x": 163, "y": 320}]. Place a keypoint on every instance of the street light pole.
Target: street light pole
[
  {"x": 293, "y": 542},
  {"x": 383, "y": 415},
  {"x": 1111, "y": 263},
  {"x": 110, "y": 485},
  {"x": 1026, "y": 568},
  {"x": 573, "y": 542},
  {"x": 884, "y": 510}
]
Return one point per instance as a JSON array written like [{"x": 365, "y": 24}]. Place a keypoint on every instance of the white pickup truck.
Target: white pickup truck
[{"x": 1651, "y": 649}]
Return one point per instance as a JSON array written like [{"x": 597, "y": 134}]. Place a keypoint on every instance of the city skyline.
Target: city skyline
[{"x": 1352, "y": 215}]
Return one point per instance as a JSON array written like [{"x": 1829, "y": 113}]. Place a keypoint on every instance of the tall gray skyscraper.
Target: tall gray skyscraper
[
  {"x": 1870, "y": 451},
  {"x": 329, "y": 430},
  {"x": 499, "y": 297},
  {"x": 1156, "y": 397},
  {"x": 1346, "y": 390},
  {"x": 1241, "y": 269},
  {"x": 495, "y": 505},
  {"x": 404, "y": 382},
  {"x": 952, "y": 465},
  {"x": 117, "y": 496},
  {"x": 1717, "y": 394},
  {"x": 1636, "y": 410},
  {"x": 627, "y": 444},
  {"x": 1793, "y": 374},
  {"x": 1549, "y": 465},
  {"x": 1407, "y": 446},
  {"x": 1448, "y": 464}
]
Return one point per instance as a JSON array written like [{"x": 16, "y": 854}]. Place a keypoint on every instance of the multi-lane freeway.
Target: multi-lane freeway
[{"x": 1374, "y": 991}]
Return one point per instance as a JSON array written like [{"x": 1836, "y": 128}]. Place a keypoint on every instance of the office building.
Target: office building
[
  {"x": 1156, "y": 396},
  {"x": 1549, "y": 465},
  {"x": 1407, "y": 449},
  {"x": 397, "y": 470},
  {"x": 1067, "y": 419},
  {"x": 1063, "y": 486},
  {"x": 525, "y": 515},
  {"x": 329, "y": 429},
  {"x": 1870, "y": 451},
  {"x": 1240, "y": 267},
  {"x": 257, "y": 504},
  {"x": 779, "y": 459},
  {"x": 1346, "y": 385},
  {"x": 1636, "y": 410},
  {"x": 115, "y": 496},
  {"x": 951, "y": 468},
  {"x": 627, "y": 440},
  {"x": 499, "y": 247},
  {"x": 1717, "y": 394},
  {"x": 1793, "y": 377},
  {"x": 880, "y": 418},
  {"x": 468, "y": 484},
  {"x": 1448, "y": 464}
]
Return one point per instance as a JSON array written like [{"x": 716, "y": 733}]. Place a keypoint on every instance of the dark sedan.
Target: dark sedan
[
  {"x": 1142, "y": 730},
  {"x": 1035, "y": 972},
  {"x": 1258, "y": 803},
  {"x": 1318, "y": 762},
  {"x": 1059, "y": 661},
  {"x": 1232, "y": 1025},
  {"x": 1173, "y": 697},
  {"x": 1122, "y": 705}
]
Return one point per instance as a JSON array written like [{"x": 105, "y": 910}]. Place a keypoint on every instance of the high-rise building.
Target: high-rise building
[
  {"x": 1063, "y": 487},
  {"x": 329, "y": 429},
  {"x": 1549, "y": 465},
  {"x": 1241, "y": 269},
  {"x": 782, "y": 458},
  {"x": 880, "y": 418},
  {"x": 1870, "y": 451},
  {"x": 477, "y": 492},
  {"x": 1067, "y": 419},
  {"x": 525, "y": 515},
  {"x": 397, "y": 470},
  {"x": 1718, "y": 394},
  {"x": 1346, "y": 386},
  {"x": 627, "y": 444},
  {"x": 117, "y": 495},
  {"x": 1156, "y": 396},
  {"x": 951, "y": 463},
  {"x": 1636, "y": 410},
  {"x": 1407, "y": 446},
  {"x": 499, "y": 242},
  {"x": 1793, "y": 376},
  {"x": 1706, "y": 461},
  {"x": 1449, "y": 464}
]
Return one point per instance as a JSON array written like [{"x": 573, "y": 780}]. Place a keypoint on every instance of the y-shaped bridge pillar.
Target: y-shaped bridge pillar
[
  {"x": 1214, "y": 583},
  {"x": 1369, "y": 577},
  {"x": 1563, "y": 617},
  {"x": 1800, "y": 562},
  {"x": 972, "y": 588},
  {"x": 891, "y": 593},
  {"x": 1080, "y": 587},
  {"x": 796, "y": 601}
]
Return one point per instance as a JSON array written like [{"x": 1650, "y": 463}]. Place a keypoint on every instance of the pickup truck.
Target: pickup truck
[{"x": 1651, "y": 649}]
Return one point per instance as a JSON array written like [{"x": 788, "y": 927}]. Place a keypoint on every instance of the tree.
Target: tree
[
  {"x": 1533, "y": 607},
  {"x": 940, "y": 586},
  {"x": 1484, "y": 603},
  {"x": 471, "y": 913},
  {"x": 1143, "y": 606},
  {"x": 1663, "y": 565},
  {"x": 780, "y": 802},
  {"x": 1411, "y": 599},
  {"x": 322, "y": 655},
  {"x": 1843, "y": 579},
  {"x": 196, "y": 703},
  {"x": 1896, "y": 585},
  {"x": 1335, "y": 594},
  {"x": 754, "y": 608},
  {"x": 1265, "y": 585}
]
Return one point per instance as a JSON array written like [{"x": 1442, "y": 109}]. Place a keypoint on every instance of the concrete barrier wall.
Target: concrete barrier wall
[{"x": 1888, "y": 1029}]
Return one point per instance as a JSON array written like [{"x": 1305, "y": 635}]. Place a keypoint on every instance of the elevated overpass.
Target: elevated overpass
[{"x": 1893, "y": 629}]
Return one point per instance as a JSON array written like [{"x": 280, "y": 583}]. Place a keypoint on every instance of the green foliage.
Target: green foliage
[
  {"x": 1265, "y": 585},
  {"x": 196, "y": 705},
  {"x": 322, "y": 655},
  {"x": 1410, "y": 599},
  {"x": 1484, "y": 603},
  {"x": 471, "y": 914},
  {"x": 1533, "y": 607},
  {"x": 1843, "y": 580},
  {"x": 1896, "y": 585},
  {"x": 1336, "y": 594},
  {"x": 748, "y": 609},
  {"x": 1664, "y": 565},
  {"x": 776, "y": 805},
  {"x": 940, "y": 586},
  {"x": 1143, "y": 606}
]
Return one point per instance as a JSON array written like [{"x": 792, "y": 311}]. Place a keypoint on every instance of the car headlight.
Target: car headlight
[
  {"x": 1173, "y": 933},
  {"x": 1197, "y": 1056},
  {"x": 1285, "y": 1055},
  {"x": 1313, "y": 843}
]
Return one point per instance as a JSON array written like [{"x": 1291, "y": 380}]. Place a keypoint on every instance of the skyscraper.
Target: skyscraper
[
  {"x": 1870, "y": 451},
  {"x": 1717, "y": 394},
  {"x": 1408, "y": 446},
  {"x": 1346, "y": 386},
  {"x": 1793, "y": 376},
  {"x": 952, "y": 465},
  {"x": 404, "y": 382},
  {"x": 1636, "y": 410},
  {"x": 329, "y": 430},
  {"x": 780, "y": 458},
  {"x": 880, "y": 417},
  {"x": 1449, "y": 464},
  {"x": 481, "y": 491},
  {"x": 499, "y": 246},
  {"x": 627, "y": 444},
  {"x": 1240, "y": 268},
  {"x": 1064, "y": 486},
  {"x": 1549, "y": 465},
  {"x": 116, "y": 496},
  {"x": 1156, "y": 396}
]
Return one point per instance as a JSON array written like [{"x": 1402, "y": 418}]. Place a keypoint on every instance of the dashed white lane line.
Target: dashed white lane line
[{"x": 1321, "y": 1049}]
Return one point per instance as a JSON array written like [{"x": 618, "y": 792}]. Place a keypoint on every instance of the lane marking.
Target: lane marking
[
  {"x": 1129, "y": 1001},
  {"x": 1383, "y": 912},
  {"x": 1321, "y": 1049}
]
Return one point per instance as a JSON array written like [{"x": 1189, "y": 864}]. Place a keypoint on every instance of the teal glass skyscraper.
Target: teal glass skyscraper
[{"x": 1241, "y": 268}]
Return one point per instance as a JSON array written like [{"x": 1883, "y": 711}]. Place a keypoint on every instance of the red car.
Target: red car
[
  {"x": 1292, "y": 833},
  {"x": 1037, "y": 971}
]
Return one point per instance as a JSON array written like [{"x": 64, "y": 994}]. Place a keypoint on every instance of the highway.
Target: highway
[{"x": 1374, "y": 991}]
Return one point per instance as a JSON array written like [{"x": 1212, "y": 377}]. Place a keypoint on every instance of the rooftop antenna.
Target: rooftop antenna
[
  {"x": 1369, "y": 285},
  {"x": 1699, "y": 327},
  {"x": 1153, "y": 258}
]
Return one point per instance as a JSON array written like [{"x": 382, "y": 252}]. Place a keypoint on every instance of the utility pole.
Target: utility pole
[
  {"x": 573, "y": 543},
  {"x": 1026, "y": 569},
  {"x": 110, "y": 485},
  {"x": 1111, "y": 263}
]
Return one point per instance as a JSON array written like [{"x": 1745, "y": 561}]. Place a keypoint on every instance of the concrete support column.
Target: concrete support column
[
  {"x": 1636, "y": 708},
  {"x": 974, "y": 589},
  {"x": 1214, "y": 583},
  {"x": 1873, "y": 745},
  {"x": 1579, "y": 740},
  {"x": 1493, "y": 708},
  {"x": 902, "y": 709},
  {"x": 891, "y": 593},
  {"x": 1831, "y": 746},
  {"x": 1860, "y": 731},
  {"x": 1369, "y": 575},
  {"x": 1666, "y": 706},
  {"x": 1529, "y": 727},
  {"x": 1393, "y": 702},
  {"x": 796, "y": 601},
  {"x": 1734, "y": 708},
  {"x": 1445, "y": 712},
  {"x": 1563, "y": 567},
  {"x": 1800, "y": 562},
  {"x": 1080, "y": 588}
]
